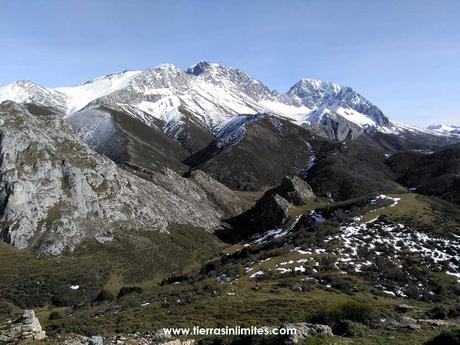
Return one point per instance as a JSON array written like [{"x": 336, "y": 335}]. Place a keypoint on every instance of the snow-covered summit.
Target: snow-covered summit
[
  {"x": 66, "y": 99},
  {"x": 445, "y": 129},
  {"x": 343, "y": 100},
  {"x": 79, "y": 96},
  {"x": 208, "y": 94},
  {"x": 26, "y": 91}
]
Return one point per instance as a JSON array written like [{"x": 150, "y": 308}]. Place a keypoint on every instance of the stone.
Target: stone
[
  {"x": 403, "y": 308},
  {"x": 305, "y": 330},
  {"x": 25, "y": 328},
  {"x": 96, "y": 340},
  {"x": 435, "y": 322},
  {"x": 294, "y": 189},
  {"x": 179, "y": 342}
]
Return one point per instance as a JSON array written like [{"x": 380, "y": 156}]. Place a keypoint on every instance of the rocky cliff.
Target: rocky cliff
[{"x": 55, "y": 191}]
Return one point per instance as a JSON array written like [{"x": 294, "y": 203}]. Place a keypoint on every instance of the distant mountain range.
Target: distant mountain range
[
  {"x": 210, "y": 118},
  {"x": 209, "y": 96},
  {"x": 445, "y": 129}
]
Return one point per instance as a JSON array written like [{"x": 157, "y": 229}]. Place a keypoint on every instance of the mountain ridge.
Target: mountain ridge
[{"x": 212, "y": 93}]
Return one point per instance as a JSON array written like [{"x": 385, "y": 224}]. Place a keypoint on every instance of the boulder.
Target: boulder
[
  {"x": 270, "y": 212},
  {"x": 435, "y": 322},
  {"x": 305, "y": 330},
  {"x": 403, "y": 308},
  {"x": 25, "y": 328},
  {"x": 179, "y": 342},
  {"x": 295, "y": 190}
]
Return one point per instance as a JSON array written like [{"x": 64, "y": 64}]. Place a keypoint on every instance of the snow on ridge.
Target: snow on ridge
[
  {"x": 398, "y": 127},
  {"x": 81, "y": 95},
  {"x": 214, "y": 94},
  {"x": 444, "y": 129}
]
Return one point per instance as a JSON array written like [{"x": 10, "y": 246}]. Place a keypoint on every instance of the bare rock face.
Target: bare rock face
[
  {"x": 269, "y": 212},
  {"x": 55, "y": 191},
  {"x": 273, "y": 211},
  {"x": 329, "y": 124},
  {"x": 25, "y": 328},
  {"x": 295, "y": 190},
  {"x": 222, "y": 196}
]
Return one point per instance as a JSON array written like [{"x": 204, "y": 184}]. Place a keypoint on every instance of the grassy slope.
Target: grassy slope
[
  {"x": 138, "y": 260},
  {"x": 29, "y": 279}
]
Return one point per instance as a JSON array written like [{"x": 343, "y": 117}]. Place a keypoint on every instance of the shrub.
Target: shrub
[
  {"x": 446, "y": 338},
  {"x": 5, "y": 309},
  {"x": 126, "y": 290},
  {"x": 55, "y": 315},
  {"x": 350, "y": 311},
  {"x": 349, "y": 329},
  {"x": 437, "y": 312},
  {"x": 104, "y": 296},
  {"x": 454, "y": 311}
]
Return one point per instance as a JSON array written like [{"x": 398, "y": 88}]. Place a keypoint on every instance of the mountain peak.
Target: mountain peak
[
  {"x": 112, "y": 76},
  {"x": 318, "y": 84},
  {"x": 202, "y": 67},
  {"x": 445, "y": 129},
  {"x": 26, "y": 91},
  {"x": 345, "y": 101},
  {"x": 167, "y": 67}
]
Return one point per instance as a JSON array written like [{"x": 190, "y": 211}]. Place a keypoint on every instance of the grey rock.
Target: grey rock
[
  {"x": 55, "y": 191},
  {"x": 295, "y": 190},
  {"x": 222, "y": 196},
  {"x": 96, "y": 340},
  {"x": 25, "y": 328},
  {"x": 407, "y": 323},
  {"x": 179, "y": 342},
  {"x": 131, "y": 339},
  {"x": 436, "y": 322},
  {"x": 270, "y": 212},
  {"x": 403, "y": 308},
  {"x": 329, "y": 124},
  {"x": 305, "y": 330}
]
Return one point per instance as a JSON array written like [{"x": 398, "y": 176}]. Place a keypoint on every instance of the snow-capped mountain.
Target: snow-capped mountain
[
  {"x": 445, "y": 129},
  {"x": 79, "y": 96},
  {"x": 65, "y": 99},
  {"x": 209, "y": 95},
  {"x": 344, "y": 101},
  {"x": 25, "y": 91}
]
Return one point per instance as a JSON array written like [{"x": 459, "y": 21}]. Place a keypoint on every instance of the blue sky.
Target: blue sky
[{"x": 402, "y": 55}]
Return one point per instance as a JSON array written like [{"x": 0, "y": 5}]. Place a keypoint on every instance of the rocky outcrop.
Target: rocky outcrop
[
  {"x": 406, "y": 322},
  {"x": 25, "y": 328},
  {"x": 222, "y": 196},
  {"x": 55, "y": 191},
  {"x": 295, "y": 190},
  {"x": 130, "y": 339},
  {"x": 269, "y": 212},
  {"x": 331, "y": 125},
  {"x": 305, "y": 330}
]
